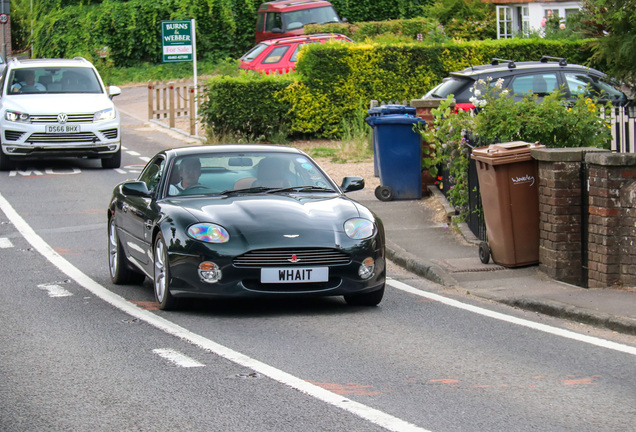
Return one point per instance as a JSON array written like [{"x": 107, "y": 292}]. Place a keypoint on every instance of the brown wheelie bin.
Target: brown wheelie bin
[{"x": 508, "y": 184}]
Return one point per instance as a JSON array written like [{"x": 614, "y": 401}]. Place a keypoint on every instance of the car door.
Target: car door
[
  {"x": 140, "y": 212},
  {"x": 538, "y": 83}
]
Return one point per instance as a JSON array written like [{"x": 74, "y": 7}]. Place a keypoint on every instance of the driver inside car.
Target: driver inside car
[{"x": 190, "y": 171}]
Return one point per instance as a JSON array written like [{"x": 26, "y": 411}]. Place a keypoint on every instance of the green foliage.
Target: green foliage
[
  {"x": 378, "y": 10},
  {"x": 611, "y": 23},
  {"x": 552, "y": 122},
  {"x": 247, "y": 105}
]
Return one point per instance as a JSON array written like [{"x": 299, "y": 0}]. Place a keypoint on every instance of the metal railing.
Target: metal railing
[{"x": 624, "y": 129}]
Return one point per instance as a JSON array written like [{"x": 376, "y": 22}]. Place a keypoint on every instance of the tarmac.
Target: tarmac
[{"x": 446, "y": 253}]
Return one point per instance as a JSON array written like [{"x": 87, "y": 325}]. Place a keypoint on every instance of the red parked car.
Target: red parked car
[
  {"x": 284, "y": 18},
  {"x": 279, "y": 55}
]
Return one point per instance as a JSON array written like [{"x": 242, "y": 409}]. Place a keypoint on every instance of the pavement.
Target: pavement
[{"x": 445, "y": 252}]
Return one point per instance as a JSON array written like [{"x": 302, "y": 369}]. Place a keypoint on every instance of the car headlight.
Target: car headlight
[
  {"x": 16, "y": 116},
  {"x": 209, "y": 233},
  {"x": 359, "y": 228},
  {"x": 104, "y": 115}
]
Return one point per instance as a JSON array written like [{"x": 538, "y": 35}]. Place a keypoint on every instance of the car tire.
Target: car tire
[
  {"x": 6, "y": 164},
  {"x": 161, "y": 276},
  {"x": 112, "y": 162},
  {"x": 118, "y": 265},
  {"x": 372, "y": 298}
]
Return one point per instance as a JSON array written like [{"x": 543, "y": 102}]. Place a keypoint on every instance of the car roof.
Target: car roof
[
  {"x": 284, "y": 5},
  {"x": 503, "y": 66},
  {"x": 230, "y": 148},
  {"x": 76, "y": 61},
  {"x": 304, "y": 38}
]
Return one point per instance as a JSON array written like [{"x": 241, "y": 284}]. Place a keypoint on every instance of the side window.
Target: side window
[
  {"x": 273, "y": 20},
  {"x": 259, "y": 22},
  {"x": 275, "y": 55},
  {"x": 294, "y": 55},
  {"x": 540, "y": 84},
  {"x": 152, "y": 173}
]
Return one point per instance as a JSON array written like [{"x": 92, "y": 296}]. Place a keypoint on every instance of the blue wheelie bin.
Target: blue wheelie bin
[
  {"x": 380, "y": 111},
  {"x": 398, "y": 152}
]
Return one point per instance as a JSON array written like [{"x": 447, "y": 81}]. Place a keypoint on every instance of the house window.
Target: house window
[{"x": 504, "y": 22}]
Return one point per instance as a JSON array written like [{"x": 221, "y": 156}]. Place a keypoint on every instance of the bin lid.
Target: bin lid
[
  {"x": 394, "y": 119},
  {"x": 391, "y": 109},
  {"x": 503, "y": 153}
]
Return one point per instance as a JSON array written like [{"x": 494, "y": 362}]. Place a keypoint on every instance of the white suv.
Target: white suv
[{"x": 57, "y": 108}]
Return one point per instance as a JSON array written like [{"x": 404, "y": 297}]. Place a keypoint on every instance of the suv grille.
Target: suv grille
[
  {"x": 282, "y": 257},
  {"x": 82, "y": 137},
  {"x": 12, "y": 135},
  {"x": 72, "y": 118}
]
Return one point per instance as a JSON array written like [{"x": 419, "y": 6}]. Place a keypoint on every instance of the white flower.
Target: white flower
[
  {"x": 477, "y": 92},
  {"x": 499, "y": 83}
]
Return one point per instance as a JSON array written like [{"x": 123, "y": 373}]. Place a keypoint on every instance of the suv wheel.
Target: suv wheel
[{"x": 113, "y": 161}]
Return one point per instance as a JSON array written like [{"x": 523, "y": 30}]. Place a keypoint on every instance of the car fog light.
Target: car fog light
[
  {"x": 10, "y": 149},
  {"x": 112, "y": 147},
  {"x": 366, "y": 269},
  {"x": 210, "y": 272}
]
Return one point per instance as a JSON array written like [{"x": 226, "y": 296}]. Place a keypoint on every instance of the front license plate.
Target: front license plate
[
  {"x": 62, "y": 129},
  {"x": 294, "y": 275}
]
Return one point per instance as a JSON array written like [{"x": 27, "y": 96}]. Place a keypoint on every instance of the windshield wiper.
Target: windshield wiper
[
  {"x": 258, "y": 189},
  {"x": 302, "y": 189}
]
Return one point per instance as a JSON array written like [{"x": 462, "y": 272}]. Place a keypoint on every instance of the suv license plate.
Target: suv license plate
[
  {"x": 62, "y": 129},
  {"x": 294, "y": 275}
]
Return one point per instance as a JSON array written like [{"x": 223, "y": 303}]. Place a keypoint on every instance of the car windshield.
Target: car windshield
[
  {"x": 449, "y": 86},
  {"x": 297, "y": 19},
  {"x": 254, "y": 52},
  {"x": 250, "y": 172},
  {"x": 57, "y": 80}
]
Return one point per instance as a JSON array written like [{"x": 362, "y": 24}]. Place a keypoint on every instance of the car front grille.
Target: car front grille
[
  {"x": 110, "y": 133},
  {"x": 10, "y": 135},
  {"x": 82, "y": 137},
  {"x": 72, "y": 118},
  {"x": 284, "y": 257}
]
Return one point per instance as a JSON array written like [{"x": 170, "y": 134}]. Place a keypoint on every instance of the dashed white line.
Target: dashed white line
[
  {"x": 55, "y": 290},
  {"x": 5, "y": 243},
  {"x": 177, "y": 358},
  {"x": 133, "y": 153},
  {"x": 144, "y": 158}
]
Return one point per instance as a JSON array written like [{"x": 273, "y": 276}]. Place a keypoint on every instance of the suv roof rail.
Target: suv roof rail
[
  {"x": 562, "y": 61},
  {"x": 511, "y": 63}
]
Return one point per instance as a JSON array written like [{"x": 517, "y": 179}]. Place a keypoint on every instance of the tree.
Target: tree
[{"x": 612, "y": 23}]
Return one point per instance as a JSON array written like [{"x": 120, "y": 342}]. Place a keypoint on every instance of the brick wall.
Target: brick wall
[{"x": 608, "y": 246}]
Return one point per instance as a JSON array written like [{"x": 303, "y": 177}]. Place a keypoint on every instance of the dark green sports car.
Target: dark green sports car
[{"x": 244, "y": 220}]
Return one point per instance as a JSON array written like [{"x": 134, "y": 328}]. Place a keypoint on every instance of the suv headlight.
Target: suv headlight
[
  {"x": 16, "y": 116},
  {"x": 104, "y": 115}
]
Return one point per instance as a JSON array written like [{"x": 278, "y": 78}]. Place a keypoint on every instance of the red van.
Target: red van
[
  {"x": 277, "y": 19},
  {"x": 279, "y": 55}
]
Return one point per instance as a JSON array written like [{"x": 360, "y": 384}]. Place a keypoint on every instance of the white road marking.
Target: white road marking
[
  {"x": 372, "y": 415},
  {"x": 55, "y": 290},
  {"x": 133, "y": 153},
  {"x": 177, "y": 358},
  {"x": 514, "y": 320},
  {"x": 144, "y": 158},
  {"x": 5, "y": 243},
  {"x": 121, "y": 171}
]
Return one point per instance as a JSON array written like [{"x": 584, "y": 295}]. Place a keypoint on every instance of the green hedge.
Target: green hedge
[
  {"x": 336, "y": 81},
  {"x": 247, "y": 106}
]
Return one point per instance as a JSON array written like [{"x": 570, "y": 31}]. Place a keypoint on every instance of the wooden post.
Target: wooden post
[
  {"x": 171, "y": 116},
  {"x": 150, "y": 100},
  {"x": 192, "y": 111}
]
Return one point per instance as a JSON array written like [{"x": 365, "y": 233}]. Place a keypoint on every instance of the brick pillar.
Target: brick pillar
[
  {"x": 609, "y": 174},
  {"x": 560, "y": 217},
  {"x": 423, "y": 109}
]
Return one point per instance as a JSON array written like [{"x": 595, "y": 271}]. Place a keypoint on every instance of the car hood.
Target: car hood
[
  {"x": 55, "y": 103},
  {"x": 282, "y": 220}
]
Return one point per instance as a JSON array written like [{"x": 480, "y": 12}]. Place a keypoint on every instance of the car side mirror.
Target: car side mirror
[
  {"x": 350, "y": 184},
  {"x": 113, "y": 91},
  {"x": 135, "y": 188}
]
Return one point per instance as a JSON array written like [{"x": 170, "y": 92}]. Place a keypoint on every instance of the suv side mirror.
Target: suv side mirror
[{"x": 113, "y": 91}]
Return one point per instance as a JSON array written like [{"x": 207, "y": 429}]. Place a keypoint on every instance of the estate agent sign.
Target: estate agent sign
[{"x": 177, "y": 40}]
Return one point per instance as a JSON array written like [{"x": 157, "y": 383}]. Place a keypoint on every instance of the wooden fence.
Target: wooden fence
[{"x": 174, "y": 100}]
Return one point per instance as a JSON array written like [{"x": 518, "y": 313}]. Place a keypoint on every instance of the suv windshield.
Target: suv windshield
[
  {"x": 56, "y": 80},
  {"x": 297, "y": 19}
]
